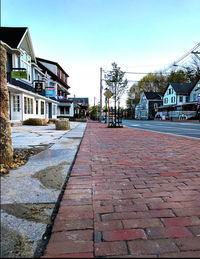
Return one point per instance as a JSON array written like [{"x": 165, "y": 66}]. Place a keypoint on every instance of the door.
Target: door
[
  {"x": 16, "y": 107},
  {"x": 50, "y": 110}
]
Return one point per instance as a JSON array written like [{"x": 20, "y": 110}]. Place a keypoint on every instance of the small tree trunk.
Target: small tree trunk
[
  {"x": 6, "y": 149},
  {"x": 115, "y": 103}
]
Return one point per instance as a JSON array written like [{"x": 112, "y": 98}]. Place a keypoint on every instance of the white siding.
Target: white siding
[{"x": 170, "y": 95}]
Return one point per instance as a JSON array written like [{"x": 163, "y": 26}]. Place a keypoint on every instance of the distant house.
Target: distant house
[
  {"x": 83, "y": 103},
  {"x": 145, "y": 109},
  {"x": 57, "y": 79},
  {"x": 195, "y": 92},
  {"x": 179, "y": 101},
  {"x": 23, "y": 75},
  {"x": 177, "y": 94}
]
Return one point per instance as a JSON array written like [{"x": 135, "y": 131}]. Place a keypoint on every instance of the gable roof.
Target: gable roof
[
  {"x": 12, "y": 35},
  {"x": 181, "y": 88},
  {"x": 195, "y": 83},
  {"x": 51, "y": 62},
  {"x": 53, "y": 76},
  {"x": 82, "y": 100},
  {"x": 153, "y": 95}
]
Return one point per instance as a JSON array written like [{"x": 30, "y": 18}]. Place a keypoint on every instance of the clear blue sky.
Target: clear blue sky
[{"x": 84, "y": 35}]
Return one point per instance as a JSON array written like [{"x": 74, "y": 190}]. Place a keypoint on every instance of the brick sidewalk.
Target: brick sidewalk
[{"x": 131, "y": 193}]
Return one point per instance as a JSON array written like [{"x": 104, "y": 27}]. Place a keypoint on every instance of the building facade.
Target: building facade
[
  {"x": 180, "y": 101},
  {"x": 145, "y": 109},
  {"x": 58, "y": 81},
  {"x": 25, "y": 101}
]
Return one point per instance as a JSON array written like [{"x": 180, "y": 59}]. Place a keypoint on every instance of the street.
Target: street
[{"x": 187, "y": 129}]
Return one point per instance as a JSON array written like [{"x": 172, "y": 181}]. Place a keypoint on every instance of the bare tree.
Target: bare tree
[{"x": 116, "y": 83}]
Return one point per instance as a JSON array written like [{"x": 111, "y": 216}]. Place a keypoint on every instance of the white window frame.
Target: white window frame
[
  {"x": 25, "y": 62},
  {"x": 28, "y": 105},
  {"x": 42, "y": 112},
  {"x": 16, "y": 103}
]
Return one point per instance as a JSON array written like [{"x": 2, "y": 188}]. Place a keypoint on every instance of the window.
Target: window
[
  {"x": 64, "y": 110},
  {"x": 26, "y": 63},
  {"x": 194, "y": 97},
  {"x": 36, "y": 107},
  {"x": 187, "y": 99},
  {"x": 165, "y": 100},
  {"x": 16, "y": 103},
  {"x": 67, "y": 110},
  {"x": 42, "y": 108},
  {"x": 155, "y": 105},
  {"x": 28, "y": 105},
  {"x": 180, "y": 98},
  {"x": 173, "y": 99}
]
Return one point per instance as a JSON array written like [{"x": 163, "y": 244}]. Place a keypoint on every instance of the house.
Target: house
[
  {"x": 26, "y": 99},
  {"x": 83, "y": 103},
  {"x": 58, "y": 80},
  {"x": 195, "y": 92},
  {"x": 145, "y": 109},
  {"x": 179, "y": 101}
]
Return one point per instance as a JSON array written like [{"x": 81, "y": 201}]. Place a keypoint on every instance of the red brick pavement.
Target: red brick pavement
[{"x": 131, "y": 193}]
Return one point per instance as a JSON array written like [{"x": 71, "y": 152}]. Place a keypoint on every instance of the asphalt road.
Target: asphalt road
[{"x": 186, "y": 129}]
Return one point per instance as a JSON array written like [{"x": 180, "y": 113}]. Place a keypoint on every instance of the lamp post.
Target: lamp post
[
  {"x": 101, "y": 87},
  {"x": 132, "y": 98},
  {"x": 108, "y": 97}
]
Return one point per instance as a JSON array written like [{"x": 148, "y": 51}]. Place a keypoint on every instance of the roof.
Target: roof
[
  {"x": 153, "y": 95},
  {"x": 12, "y": 35},
  {"x": 53, "y": 63},
  {"x": 82, "y": 100},
  {"x": 195, "y": 83},
  {"x": 181, "y": 88},
  {"x": 54, "y": 76}
]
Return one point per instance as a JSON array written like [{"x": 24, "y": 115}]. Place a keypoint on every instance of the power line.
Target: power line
[{"x": 184, "y": 56}]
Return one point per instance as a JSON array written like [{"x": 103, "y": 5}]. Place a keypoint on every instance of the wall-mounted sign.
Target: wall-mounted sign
[
  {"x": 50, "y": 92},
  {"x": 19, "y": 74},
  {"x": 38, "y": 86}
]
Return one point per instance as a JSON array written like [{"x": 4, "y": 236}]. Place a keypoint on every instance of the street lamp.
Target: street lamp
[
  {"x": 108, "y": 96},
  {"x": 132, "y": 105}
]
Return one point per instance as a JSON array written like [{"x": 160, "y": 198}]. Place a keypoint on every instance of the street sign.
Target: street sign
[
  {"x": 50, "y": 92},
  {"x": 19, "y": 74},
  {"x": 38, "y": 86}
]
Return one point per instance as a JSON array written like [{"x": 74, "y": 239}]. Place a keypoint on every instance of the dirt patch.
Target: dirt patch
[
  {"x": 20, "y": 157},
  {"x": 14, "y": 245},
  {"x": 52, "y": 177},
  {"x": 31, "y": 212}
]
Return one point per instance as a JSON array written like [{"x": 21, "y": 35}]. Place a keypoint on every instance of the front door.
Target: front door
[
  {"x": 50, "y": 110},
  {"x": 16, "y": 107}
]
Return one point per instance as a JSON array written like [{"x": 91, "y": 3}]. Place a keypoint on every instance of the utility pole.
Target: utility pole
[
  {"x": 100, "y": 94},
  {"x": 94, "y": 100}
]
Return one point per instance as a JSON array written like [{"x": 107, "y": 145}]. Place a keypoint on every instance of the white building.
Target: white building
[{"x": 22, "y": 71}]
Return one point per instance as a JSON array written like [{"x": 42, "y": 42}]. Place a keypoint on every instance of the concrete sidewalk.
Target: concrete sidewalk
[
  {"x": 131, "y": 193},
  {"x": 30, "y": 193}
]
